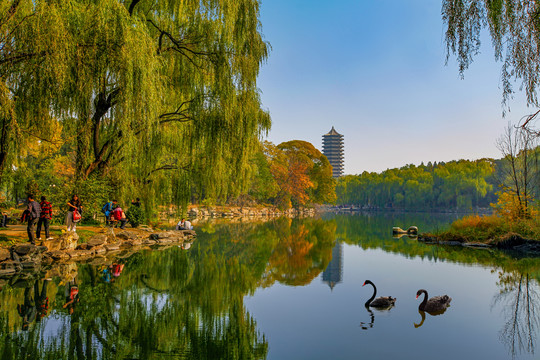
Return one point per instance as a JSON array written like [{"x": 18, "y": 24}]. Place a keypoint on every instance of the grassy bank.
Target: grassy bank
[{"x": 488, "y": 229}]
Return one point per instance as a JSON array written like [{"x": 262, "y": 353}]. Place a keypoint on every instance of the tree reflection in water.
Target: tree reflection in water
[
  {"x": 520, "y": 299},
  {"x": 172, "y": 303}
]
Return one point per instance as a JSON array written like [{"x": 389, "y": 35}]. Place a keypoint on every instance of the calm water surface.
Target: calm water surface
[{"x": 283, "y": 290}]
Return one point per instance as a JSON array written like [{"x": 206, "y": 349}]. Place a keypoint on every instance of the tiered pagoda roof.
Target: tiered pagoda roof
[{"x": 333, "y": 150}]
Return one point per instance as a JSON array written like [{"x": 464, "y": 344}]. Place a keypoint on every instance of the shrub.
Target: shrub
[{"x": 135, "y": 215}]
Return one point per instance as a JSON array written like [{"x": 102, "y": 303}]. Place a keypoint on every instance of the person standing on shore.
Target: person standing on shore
[
  {"x": 44, "y": 218},
  {"x": 73, "y": 204},
  {"x": 34, "y": 211}
]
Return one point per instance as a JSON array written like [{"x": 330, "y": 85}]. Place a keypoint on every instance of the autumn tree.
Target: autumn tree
[{"x": 519, "y": 175}]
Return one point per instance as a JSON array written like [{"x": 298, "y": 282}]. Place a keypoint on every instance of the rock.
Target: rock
[
  {"x": 112, "y": 247},
  {"x": 11, "y": 264},
  {"x": 476, "y": 245},
  {"x": 127, "y": 235},
  {"x": 24, "y": 249},
  {"x": 189, "y": 232},
  {"x": 166, "y": 240},
  {"x": 451, "y": 243},
  {"x": 99, "y": 250},
  {"x": 30, "y": 265},
  {"x": 80, "y": 253},
  {"x": 131, "y": 242},
  {"x": 67, "y": 241},
  {"x": 97, "y": 240},
  {"x": 7, "y": 272},
  {"x": 149, "y": 241},
  {"x": 83, "y": 246},
  {"x": 41, "y": 249},
  {"x": 5, "y": 254},
  {"x": 58, "y": 255}
]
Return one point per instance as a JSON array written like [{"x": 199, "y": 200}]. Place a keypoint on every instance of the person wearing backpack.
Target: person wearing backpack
[
  {"x": 34, "y": 211},
  {"x": 107, "y": 210},
  {"x": 44, "y": 218}
]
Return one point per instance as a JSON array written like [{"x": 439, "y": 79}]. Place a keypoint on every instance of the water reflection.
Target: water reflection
[
  {"x": 423, "y": 315},
  {"x": 368, "y": 325},
  {"x": 190, "y": 304},
  {"x": 519, "y": 296},
  {"x": 333, "y": 274},
  {"x": 170, "y": 303}
]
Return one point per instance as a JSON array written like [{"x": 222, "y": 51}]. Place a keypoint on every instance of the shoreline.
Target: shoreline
[
  {"x": 509, "y": 242},
  {"x": 25, "y": 259}
]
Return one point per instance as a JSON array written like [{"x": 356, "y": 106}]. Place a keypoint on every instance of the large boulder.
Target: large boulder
[
  {"x": 24, "y": 249},
  {"x": 68, "y": 241}
]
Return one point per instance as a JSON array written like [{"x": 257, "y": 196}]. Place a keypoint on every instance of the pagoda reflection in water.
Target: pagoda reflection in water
[{"x": 333, "y": 274}]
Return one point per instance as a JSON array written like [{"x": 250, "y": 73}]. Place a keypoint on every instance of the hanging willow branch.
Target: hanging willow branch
[{"x": 165, "y": 167}]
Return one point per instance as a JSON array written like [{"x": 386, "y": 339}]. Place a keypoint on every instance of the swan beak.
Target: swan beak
[
  {"x": 417, "y": 296},
  {"x": 363, "y": 284}
]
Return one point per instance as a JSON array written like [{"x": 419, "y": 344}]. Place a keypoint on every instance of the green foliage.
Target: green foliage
[
  {"x": 204, "y": 314},
  {"x": 157, "y": 97},
  {"x": 135, "y": 216},
  {"x": 459, "y": 184}
]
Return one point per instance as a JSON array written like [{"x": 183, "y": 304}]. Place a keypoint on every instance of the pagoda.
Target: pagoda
[{"x": 333, "y": 150}]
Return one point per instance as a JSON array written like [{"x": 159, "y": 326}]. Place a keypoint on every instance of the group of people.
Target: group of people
[
  {"x": 114, "y": 213},
  {"x": 40, "y": 213}
]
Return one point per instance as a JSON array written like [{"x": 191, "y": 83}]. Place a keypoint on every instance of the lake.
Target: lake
[{"x": 286, "y": 289}]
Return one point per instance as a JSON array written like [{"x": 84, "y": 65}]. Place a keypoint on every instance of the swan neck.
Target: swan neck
[
  {"x": 424, "y": 302},
  {"x": 372, "y": 296}
]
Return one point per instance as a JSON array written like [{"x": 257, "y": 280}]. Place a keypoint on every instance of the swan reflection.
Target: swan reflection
[
  {"x": 371, "y": 322},
  {"x": 423, "y": 315}
]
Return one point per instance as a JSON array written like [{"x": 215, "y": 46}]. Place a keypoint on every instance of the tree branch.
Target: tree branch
[
  {"x": 132, "y": 6},
  {"x": 164, "y": 167}
]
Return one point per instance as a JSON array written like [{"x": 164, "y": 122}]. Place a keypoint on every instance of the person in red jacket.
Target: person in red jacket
[
  {"x": 120, "y": 216},
  {"x": 44, "y": 218}
]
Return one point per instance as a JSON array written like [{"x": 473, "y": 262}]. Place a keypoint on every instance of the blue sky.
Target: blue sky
[{"x": 375, "y": 69}]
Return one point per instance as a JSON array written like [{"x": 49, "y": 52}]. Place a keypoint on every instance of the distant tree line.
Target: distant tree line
[{"x": 461, "y": 184}]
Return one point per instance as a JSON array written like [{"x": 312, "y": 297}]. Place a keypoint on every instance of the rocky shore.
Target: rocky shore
[
  {"x": 26, "y": 258},
  {"x": 511, "y": 242},
  {"x": 247, "y": 212}
]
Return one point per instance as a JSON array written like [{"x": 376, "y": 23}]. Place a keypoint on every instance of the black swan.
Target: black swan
[
  {"x": 380, "y": 302},
  {"x": 435, "y": 304}
]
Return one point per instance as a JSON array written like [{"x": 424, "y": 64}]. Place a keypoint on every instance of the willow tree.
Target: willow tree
[
  {"x": 155, "y": 94},
  {"x": 514, "y": 27}
]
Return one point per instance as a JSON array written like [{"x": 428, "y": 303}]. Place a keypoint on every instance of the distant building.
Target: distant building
[
  {"x": 333, "y": 274},
  {"x": 333, "y": 150}
]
